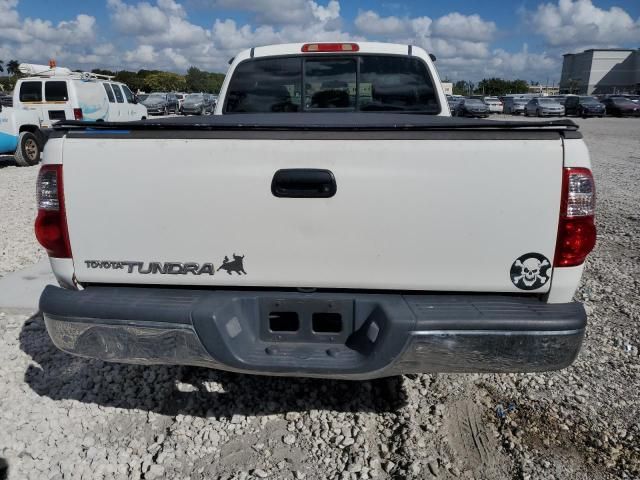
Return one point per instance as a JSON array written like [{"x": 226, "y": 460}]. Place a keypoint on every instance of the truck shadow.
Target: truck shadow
[
  {"x": 4, "y": 469},
  {"x": 7, "y": 161},
  {"x": 201, "y": 392}
]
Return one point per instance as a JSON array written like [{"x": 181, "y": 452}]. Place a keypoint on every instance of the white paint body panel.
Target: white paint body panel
[
  {"x": 63, "y": 270},
  {"x": 408, "y": 214},
  {"x": 12, "y": 120}
]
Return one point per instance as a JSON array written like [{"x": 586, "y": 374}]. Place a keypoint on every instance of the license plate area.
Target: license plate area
[{"x": 306, "y": 320}]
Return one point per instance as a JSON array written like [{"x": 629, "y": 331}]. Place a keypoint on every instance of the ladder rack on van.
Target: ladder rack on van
[{"x": 47, "y": 71}]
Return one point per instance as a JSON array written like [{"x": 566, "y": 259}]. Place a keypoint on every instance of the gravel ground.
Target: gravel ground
[
  {"x": 18, "y": 246},
  {"x": 64, "y": 417}
]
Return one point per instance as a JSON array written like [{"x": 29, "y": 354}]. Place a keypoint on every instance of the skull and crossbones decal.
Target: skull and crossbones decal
[{"x": 530, "y": 271}]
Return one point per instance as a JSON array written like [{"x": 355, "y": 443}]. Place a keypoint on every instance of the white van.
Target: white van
[{"x": 57, "y": 93}]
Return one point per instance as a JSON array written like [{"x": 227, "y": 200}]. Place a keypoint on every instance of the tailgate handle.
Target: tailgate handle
[{"x": 303, "y": 183}]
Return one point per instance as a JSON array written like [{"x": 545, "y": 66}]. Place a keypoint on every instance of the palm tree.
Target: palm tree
[{"x": 12, "y": 67}]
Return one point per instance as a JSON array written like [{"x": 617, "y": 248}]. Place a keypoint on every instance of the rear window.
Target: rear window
[
  {"x": 266, "y": 85},
  {"x": 56, "y": 92},
  {"x": 373, "y": 83},
  {"x": 31, "y": 92},
  {"x": 118, "y": 93},
  {"x": 330, "y": 83}
]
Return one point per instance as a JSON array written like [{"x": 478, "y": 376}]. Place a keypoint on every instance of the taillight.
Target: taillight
[
  {"x": 77, "y": 113},
  {"x": 576, "y": 228},
  {"x": 51, "y": 222},
  {"x": 330, "y": 47}
]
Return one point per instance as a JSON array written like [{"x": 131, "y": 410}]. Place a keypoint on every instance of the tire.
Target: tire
[{"x": 28, "y": 151}]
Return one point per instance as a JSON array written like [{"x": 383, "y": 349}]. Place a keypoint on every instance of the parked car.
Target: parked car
[
  {"x": 584, "y": 106},
  {"x": 212, "y": 99},
  {"x": 6, "y": 100},
  {"x": 20, "y": 135},
  {"x": 561, "y": 99},
  {"x": 471, "y": 107},
  {"x": 180, "y": 96},
  {"x": 197, "y": 104},
  {"x": 142, "y": 97},
  {"x": 514, "y": 105},
  {"x": 453, "y": 101},
  {"x": 57, "y": 93},
  {"x": 621, "y": 107},
  {"x": 543, "y": 106},
  {"x": 495, "y": 104},
  {"x": 160, "y": 103},
  {"x": 633, "y": 98}
]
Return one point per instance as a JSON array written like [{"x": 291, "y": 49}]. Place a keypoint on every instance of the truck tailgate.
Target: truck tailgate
[{"x": 411, "y": 214}]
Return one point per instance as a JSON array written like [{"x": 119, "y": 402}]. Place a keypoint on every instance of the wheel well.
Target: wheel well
[
  {"x": 29, "y": 128},
  {"x": 36, "y": 131}
]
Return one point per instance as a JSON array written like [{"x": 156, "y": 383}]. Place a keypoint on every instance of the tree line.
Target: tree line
[
  {"x": 195, "y": 80},
  {"x": 11, "y": 67},
  {"x": 490, "y": 86}
]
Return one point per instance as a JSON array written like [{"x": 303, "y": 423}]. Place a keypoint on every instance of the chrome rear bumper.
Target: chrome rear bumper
[{"x": 382, "y": 335}]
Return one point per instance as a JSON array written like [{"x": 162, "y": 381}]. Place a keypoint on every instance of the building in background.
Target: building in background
[
  {"x": 544, "y": 90},
  {"x": 600, "y": 71},
  {"x": 448, "y": 88}
]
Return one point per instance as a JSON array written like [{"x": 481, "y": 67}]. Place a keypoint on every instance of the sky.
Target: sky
[{"x": 471, "y": 39}]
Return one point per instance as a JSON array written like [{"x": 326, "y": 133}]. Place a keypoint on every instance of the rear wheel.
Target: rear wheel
[{"x": 28, "y": 151}]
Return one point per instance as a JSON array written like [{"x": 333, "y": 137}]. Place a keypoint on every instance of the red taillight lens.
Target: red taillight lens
[
  {"x": 330, "y": 47},
  {"x": 576, "y": 228},
  {"x": 77, "y": 113},
  {"x": 51, "y": 222}
]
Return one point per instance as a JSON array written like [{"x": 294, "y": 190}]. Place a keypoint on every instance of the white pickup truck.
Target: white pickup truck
[
  {"x": 332, "y": 220},
  {"x": 20, "y": 135}
]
